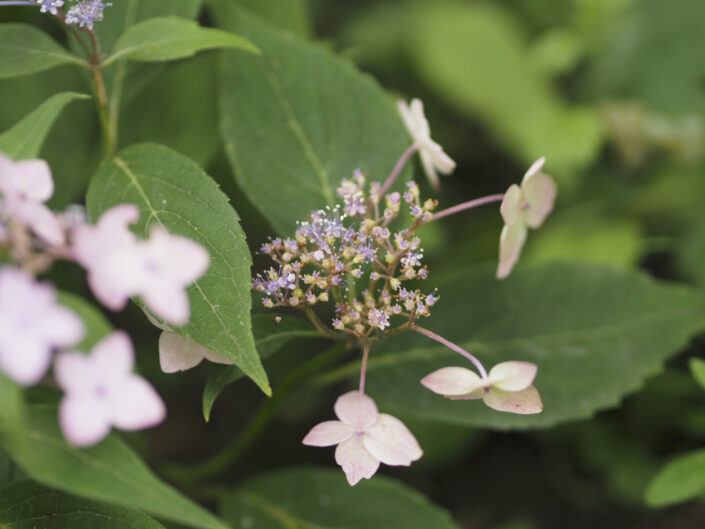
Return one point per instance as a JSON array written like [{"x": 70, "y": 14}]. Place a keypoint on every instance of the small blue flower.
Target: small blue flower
[
  {"x": 86, "y": 13},
  {"x": 50, "y": 6}
]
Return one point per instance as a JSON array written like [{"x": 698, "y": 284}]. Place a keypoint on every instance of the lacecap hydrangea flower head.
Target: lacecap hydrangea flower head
[{"x": 357, "y": 258}]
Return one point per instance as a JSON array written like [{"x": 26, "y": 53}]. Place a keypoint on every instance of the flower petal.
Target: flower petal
[
  {"x": 429, "y": 169},
  {"x": 328, "y": 433},
  {"x": 452, "y": 381},
  {"x": 510, "y": 244},
  {"x": 113, "y": 356},
  {"x": 525, "y": 402},
  {"x": 535, "y": 168},
  {"x": 356, "y": 409},
  {"x": 390, "y": 441},
  {"x": 83, "y": 421},
  {"x": 177, "y": 353},
  {"x": 539, "y": 192},
  {"x": 42, "y": 221},
  {"x": 168, "y": 301},
  {"x": 473, "y": 395},
  {"x": 510, "y": 208},
  {"x": 33, "y": 180},
  {"x": 73, "y": 372},
  {"x": 513, "y": 375},
  {"x": 25, "y": 359},
  {"x": 356, "y": 461},
  {"x": 136, "y": 405}
]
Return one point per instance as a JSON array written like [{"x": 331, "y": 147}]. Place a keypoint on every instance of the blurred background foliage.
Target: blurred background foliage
[{"x": 611, "y": 91}]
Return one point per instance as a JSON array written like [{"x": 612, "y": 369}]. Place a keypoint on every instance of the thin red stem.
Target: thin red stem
[
  {"x": 363, "y": 367},
  {"x": 468, "y": 205},
  {"x": 397, "y": 169},
  {"x": 452, "y": 346}
]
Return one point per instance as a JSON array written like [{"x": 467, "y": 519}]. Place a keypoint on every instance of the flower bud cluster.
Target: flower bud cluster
[{"x": 332, "y": 253}]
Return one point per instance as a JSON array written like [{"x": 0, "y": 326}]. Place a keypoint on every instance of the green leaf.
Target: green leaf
[
  {"x": 174, "y": 192},
  {"x": 596, "y": 334},
  {"x": 697, "y": 369},
  {"x": 27, "y": 505},
  {"x": 25, "y": 139},
  {"x": 125, "y": 13},
  {"x": 109, "y": 471},
  {"x": 290, "y": 15},
  {"x": 169, "y": 38},
  {"x": 13, "y": 414},
  {"x": 158, "y": 113},
  {"x": 680, "y": 480},
  {"x": 97, "y": 327},
  {"x": 531, "y": 121},
  {"x": 315, "y": 115},
  {"x": 269, "y": 338},
  {"x": 25, "y": 49},
  {"x": 321, "y": 499}
]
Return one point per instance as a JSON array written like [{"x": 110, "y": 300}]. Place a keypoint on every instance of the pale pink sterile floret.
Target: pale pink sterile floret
[
  {"x": 169, "y": 264},
  {"x": 365, "y": 437},
  {"x": 523, "y": 207},
  {"x": 178, "y": 353},
  {"x": 507, "y": 387},
  {"x": 25, "y": 186},
  {"x": 101, "y": 392},
  {"x": 32, "y": 326},
  {"x": 157, "y": 269},
  {"x": 109, "y": 252},
  {"x": 433, "y": 159}
]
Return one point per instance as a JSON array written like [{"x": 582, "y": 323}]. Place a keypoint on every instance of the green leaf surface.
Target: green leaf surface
[
  {"x": 313, "y": 498},
  {"x": 109, "y": 471},
  {"x": 290, "y": 15},
  {"x": 27, "y": 505},
  {"x": 157, "y": 112},
  {"x": 25, "y": 49},
  {"x": 170, "y": 38},
  {"x": 697, "y": 369},
  {"x": 475, "y": 56},
  {"x": 680, "y": 480},
  {"x": 25, "y": 138},
  {"x": 596, "y": 334},
  {"x": 296, "y": 120},
  {"x": 96, "y": 326},
  {"x": 270, "y": 337},
  {"x": 175, "y": 193}
]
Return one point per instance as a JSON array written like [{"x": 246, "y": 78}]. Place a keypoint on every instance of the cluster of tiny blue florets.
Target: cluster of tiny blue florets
[
  {"x": 337, "y": 248},
  {"x": 84, "y": 13}
]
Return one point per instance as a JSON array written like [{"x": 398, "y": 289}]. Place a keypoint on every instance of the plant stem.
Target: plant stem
[
  {"x": 319, "y": 325},
  {"x": 397, "y": 169},
  {"x": 363, "y": 367},
  {"x": 224, "y": 459},
  {"x": 468, "y": 205},
  {"x": 450, "y": 345}
]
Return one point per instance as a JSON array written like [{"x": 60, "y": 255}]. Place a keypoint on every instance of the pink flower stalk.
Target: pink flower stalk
[
  {"x": 433, "y": 158},
  {"x": 364, "y": 438},
  {"x": 178, "y": 353},
  {"x": 523, "y": 207},
  {"x": 506, "y": 388},
  {"x": 32, "y": 326},
  {"x": 157, "y": 269},
  {"x": 101, "y": 391},
  {"x": 25, "y": 186}
]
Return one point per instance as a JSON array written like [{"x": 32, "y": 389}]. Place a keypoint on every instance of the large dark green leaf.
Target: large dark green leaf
[
  {"x": 269, "y": 338},
  {"x": 291, "y": 15},
  {"x": 27, "y": 505},
  {"x": 174, "y": 192},
  {"x": 109, "y": 471},
  {"x": 25, "y": 49},
  {"x": 321, "y": 499},
  {"x": 296, "y": 120},
  {"x": 595, "y": 333},
  {"x": 25, "y": 138}
]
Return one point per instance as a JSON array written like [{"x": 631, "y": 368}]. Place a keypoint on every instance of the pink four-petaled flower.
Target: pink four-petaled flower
[
  {"x": 32, "y": 325},
  {"x": 523, "y": 207},
  {"x": 506, "y": 388},
  {"x": 364, "y": 437},
  {"x": 101, "y": 391},
  {"x": 25, "y": 186}
]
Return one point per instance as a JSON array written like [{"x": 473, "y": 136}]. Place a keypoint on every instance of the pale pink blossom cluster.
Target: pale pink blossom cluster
[
  {"x": 364, "y": 438},
  {"x": 100, "y": 389}
]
